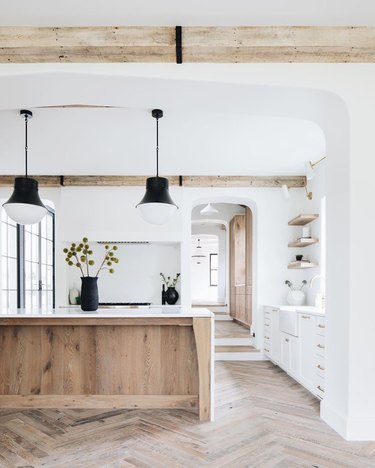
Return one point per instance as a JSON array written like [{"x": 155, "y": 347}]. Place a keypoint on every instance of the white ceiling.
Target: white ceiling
[
  {"x": 208, "y": 128},
  {"x": 192, "y": 12},
  {"x": 226, "y": 211},
  {"x": 122, "y": 141}
]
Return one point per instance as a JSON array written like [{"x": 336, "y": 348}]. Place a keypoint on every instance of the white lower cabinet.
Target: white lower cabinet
[
  {"x": 272, "y": 344},
  {"x": 275, "y": 335},
  {"x": 307, "y": 349},
  {"x": 289, "y": 354},
  {"x": 302, "y": 356}
]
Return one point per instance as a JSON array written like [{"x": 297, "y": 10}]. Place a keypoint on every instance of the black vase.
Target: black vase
[
  {"x": 171, "y": 296},
  {"x": 89, "y": 293}
]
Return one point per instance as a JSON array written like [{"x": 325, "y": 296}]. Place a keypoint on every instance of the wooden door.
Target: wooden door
[{"x": 240, "y": 237}]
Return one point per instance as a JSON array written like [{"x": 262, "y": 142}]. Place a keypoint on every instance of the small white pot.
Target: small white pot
[{"x": 296, "y": 298}]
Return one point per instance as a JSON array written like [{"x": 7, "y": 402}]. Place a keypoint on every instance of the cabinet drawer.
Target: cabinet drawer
[
  {"x": 320, "y": 326},
  {"x": 320, "y": 386},
  {"x": 320, "y": 345},
  {"x": 267, "y": 313},
  {"x": 267, "y": 324},
  {"x": 320, "y": 366}
]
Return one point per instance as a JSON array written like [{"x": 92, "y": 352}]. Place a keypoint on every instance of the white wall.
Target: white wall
[
  {"x": 201, "y": 290},
  {"x": 218, "y": 230},
  {"x": 137, "y": 275},
  {"x": 108, "y": 213},
  {"x": 318, "y": 227}
]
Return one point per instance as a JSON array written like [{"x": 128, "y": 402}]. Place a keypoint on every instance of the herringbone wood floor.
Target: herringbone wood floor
[{"x": 263, "y": 419}]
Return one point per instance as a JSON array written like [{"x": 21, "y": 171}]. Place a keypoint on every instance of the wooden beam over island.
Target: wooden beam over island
[
  {"x": 184, "y": 181},
  {"x": 200, "y": 44}
]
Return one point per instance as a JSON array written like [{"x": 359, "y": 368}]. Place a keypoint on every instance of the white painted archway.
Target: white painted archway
[{"x": 324, "y": 108}]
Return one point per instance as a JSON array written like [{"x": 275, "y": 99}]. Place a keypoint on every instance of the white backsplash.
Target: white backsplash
[{"x": 137, "y": 275}]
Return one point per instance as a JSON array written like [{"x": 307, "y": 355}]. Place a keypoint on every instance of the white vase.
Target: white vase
[
  {"x": 73, "y": 294},
  {"x": 296, "y": 298}
]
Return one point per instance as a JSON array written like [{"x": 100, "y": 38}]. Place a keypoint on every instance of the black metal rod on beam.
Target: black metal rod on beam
[{"x": 178, "y": 44}]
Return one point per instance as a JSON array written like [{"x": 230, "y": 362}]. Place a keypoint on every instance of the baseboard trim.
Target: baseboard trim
[
  {"x": 351, "y": 429},
  {"x": 243, "y": 324},
  {"x": 333, "y": 418},
  {"x": 99, "y": 401}
]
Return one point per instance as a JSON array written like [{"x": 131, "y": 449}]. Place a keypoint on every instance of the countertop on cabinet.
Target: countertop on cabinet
[
  {"x": 311, "y": 310},
  {"x": 110, "y": 312}
]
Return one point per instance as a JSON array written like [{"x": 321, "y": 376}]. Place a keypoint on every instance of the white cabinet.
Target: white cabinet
[
  {"x": 272, "y": 339},
  {"x": 285, "y": 351},
  {"x": 302, "y": 356},
  {"x": 275, "y": 335},
  {"x": 307, "y": 348},
  {"x": 289, "y": 354},
  {"x": 320, "y": 366}
]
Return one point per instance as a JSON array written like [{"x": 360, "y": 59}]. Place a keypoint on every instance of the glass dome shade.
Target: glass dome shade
[{"x": 157, "y": 206}]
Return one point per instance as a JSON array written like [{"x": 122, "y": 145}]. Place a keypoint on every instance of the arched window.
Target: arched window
[{"x": 28, "y": 263}]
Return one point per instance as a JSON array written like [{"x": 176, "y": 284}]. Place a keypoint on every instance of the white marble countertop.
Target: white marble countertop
[
  {"x": 311, "y": 310},
  {"x": 116, "y": 312}
]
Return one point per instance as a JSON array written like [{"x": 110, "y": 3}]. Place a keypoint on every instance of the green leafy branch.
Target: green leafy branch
[{"x": 79, "y": 256}]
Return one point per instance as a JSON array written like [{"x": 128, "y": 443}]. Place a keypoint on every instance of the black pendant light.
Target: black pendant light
[
  {"x": 157, "y": 206},
  {"x": 24, "y": 206}
]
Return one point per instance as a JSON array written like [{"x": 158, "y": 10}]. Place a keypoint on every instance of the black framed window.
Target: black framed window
[
  {"x": 9, "y": 261},
  {"x": 214, "y": 269},
  {"x": 28, "y": 263}
]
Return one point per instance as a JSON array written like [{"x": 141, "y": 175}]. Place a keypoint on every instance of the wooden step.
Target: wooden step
[{"x": 234, "y": 349}]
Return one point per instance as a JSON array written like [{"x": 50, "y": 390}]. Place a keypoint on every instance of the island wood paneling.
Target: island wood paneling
[
  {"x": 118, "y": 365},
  {"x": 202, "y": 332},
  {"x": 208, "y": 44},
  {"x": 98, "y": 360}
]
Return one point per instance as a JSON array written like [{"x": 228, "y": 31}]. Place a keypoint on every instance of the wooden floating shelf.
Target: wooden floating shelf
[
  {"x": 303, "y": 219},
  {"x": 301, "y": 265},
  {"x": 299, "y": 243}
]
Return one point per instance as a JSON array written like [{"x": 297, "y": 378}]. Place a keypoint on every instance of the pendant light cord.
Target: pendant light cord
[
  {"x": 26, "y": 147},
  {"x": 157, "y": 147}
]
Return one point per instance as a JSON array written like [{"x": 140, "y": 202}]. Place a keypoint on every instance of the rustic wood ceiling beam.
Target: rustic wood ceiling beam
[
  {"x": 245, "y": 44},
  {"x": 185, "y": 181}
]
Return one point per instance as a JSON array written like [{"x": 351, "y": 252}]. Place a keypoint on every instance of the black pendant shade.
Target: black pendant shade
[
  {"x": 157, "y": 191},
  {"x": 157, "y": 206},
  {"x": 25, "y": 191},
  {"x": 25, "y": 206}
]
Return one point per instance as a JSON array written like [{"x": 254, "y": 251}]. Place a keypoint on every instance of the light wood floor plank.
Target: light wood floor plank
[{"x": 263, "y": 419}]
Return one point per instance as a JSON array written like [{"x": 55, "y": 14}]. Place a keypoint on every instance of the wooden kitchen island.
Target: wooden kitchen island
[{"x": 112, "y": 358}]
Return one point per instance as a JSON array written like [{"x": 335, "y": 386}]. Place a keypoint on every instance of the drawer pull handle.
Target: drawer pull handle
[
  {"x": 287, "y": 340},
  {"x": 266, "y": 325},
  {"x": 267, "y": 350},
  {"x": 320, "y": 367},
  {"x": 275, "y": 310},
  {"x": 321, "y": 346},
  {"x": 306, "y": 316},
  {"x": 321, "y": 326},
  {"x": 266, "y": 337},
  {"x": 320, "y": 388}
]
